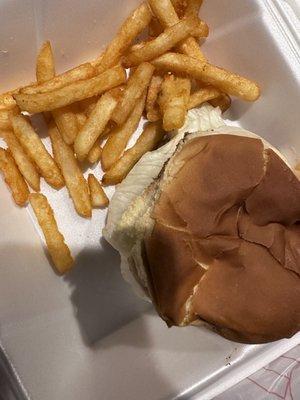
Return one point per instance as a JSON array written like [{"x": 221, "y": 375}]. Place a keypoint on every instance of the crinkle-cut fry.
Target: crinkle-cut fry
[
  {"x": 223, "y": 101},
  {"x": 75, "y": 182},
  {"x": 147, "y": 141},
  {"x": 35, "y": 148},
  {"x": 98, "y": 196},
  {"x": 173, "y": 101},
  {"x": 25, "y": 165},
  {"x": 58, "y": 250},
  {"x": 83, "y": 71},
  {"x": 136, "y": 85},
  {"x": 13, "y": 178},
  {"x": 166, "y": 14},
  {"x": 193, "y": 7},
  {"x": 95, "y": 125},
  {"x": 119, "y": 137},
  {"x": 224, "y": 80},
  {"x": 69, "y": 94},
  {"x": 6, "y": 116},
  {"x": 95, "y": 153},
  {"x": 169, "y": 38},
  {"x": 202, "y": 95},
  {"x": 66, "y": 121},
  {"x": 152, "y": 107},
  {"x": 45, "y": 68},
  {"x": 129, "y": 30}
]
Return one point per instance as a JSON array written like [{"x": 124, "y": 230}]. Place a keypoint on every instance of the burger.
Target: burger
[{"x": 208, "y": 229}]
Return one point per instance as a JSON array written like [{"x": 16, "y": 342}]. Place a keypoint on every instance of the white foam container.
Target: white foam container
[{"x": 87, "y": 336}]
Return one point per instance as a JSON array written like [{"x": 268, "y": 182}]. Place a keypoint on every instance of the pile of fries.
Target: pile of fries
[{"x": 93, "y": 110}]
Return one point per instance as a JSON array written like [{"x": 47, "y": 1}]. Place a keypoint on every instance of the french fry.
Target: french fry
[
  {"x": 6, "y": 116},
  {"x": 75, "y": 182},
  {"x": 155, "y": 27},
  {"x": 129, "y": 30},
  {"x": 95, "y": 125},
  {"x": 69, "y": 94},
  {"x": 148, "y": 140},
  {"x": 166, "y": 14},
  {"x": 58, "y": 250},
  {"x": 164, "y": 42},
  {"x": 192, "y": 8},
  {"x": 7, "y": 102},
  {"x": 180, "y": 7},
  {"x": 223, "y": 101},
  {"x": 45, "y": 68},
  {"x": 98, "y": 196},
  {"x": 87, "y": 105},
  {"x": 202, "y": 95},
  {"x": 66, "y": 121},
  {"x": 95, "y": 153},
  {"x": 152, "y": 108},
  {"x": 25, "y": 165},
  {"x": 81, "y": 119},
  {"x": 224, "y": 80},
  {"x": 173, "y": 101},
  {"x": 136, "y": 85},
  {"x": 13, "y": 178},
  {"x": 37, "y": 151},
  {"x": 81, "y": 72},
  {"x": 119, "y": 137}
]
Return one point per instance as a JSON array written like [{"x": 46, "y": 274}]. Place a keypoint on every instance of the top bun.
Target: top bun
[{"x": 214, "y": 236}]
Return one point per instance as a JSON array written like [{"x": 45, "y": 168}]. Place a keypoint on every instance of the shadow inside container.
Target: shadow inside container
[{"x": 102, "y": 300}]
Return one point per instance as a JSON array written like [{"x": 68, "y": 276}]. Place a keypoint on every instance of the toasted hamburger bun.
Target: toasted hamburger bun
[{"x": 208, "y": 229}]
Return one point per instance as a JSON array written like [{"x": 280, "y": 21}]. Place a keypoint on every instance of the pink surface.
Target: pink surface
[{"x": 278, "y": 380}]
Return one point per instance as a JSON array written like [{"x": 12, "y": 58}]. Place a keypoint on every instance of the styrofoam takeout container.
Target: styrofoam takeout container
[{"x": 87, "y": 336}]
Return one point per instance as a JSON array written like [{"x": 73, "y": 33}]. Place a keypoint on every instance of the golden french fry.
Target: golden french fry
[
  {"x": 166, "y": 14},
  {"x": 66, "y": 121},
  {"x": 58, "y": 250},
  {"x": 152, "y": 108},
  {"x": 35, "y": 148},
  {"x": 69, "y": 94},
  {"x": 136, "y": 85},
  {"x": 94, "y": 126},
  {"x": 6, "y": 116},
  {"x": 98, "y": 196},
  {"x": 148, "y": 140},
  {"x": 75, "y": 182},
  {"x": 173, "y": 101},
  {"x": 7, "y": 102},
  {"x": 223, "y": 101},
  {"x": 128, "y": 31},
  {"x": 13, "y": 178},
  {"x": 224, "y": 80},
  {"x": 95, "y": 153},
  {"x": 202, "y": 95},
  {"x": 155, "y": 27},
  {"x": 193, "y": 7},
  {"x": 25, "y": 165},
  {"x": 119, "y": 137},
  {"x": 87, "y": 105},
  {"x": 180, "y": 7},
  {"x": 162, "y": 43},
  {"x": 81, "y": 119},
  {"x": 45, "y": 68},
  {"x": 81, "y": 72}
]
